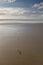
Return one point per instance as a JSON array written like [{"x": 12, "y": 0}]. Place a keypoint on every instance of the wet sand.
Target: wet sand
[{"x": 21, "y": 44}]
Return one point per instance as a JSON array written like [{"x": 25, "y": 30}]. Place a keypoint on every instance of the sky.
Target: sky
[{"x": 21, "y": 9}]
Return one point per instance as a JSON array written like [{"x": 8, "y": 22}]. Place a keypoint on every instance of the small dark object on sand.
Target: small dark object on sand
[{"x": 19, "y": 52}]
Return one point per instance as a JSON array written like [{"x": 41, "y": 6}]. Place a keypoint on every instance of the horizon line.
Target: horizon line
[{"x": 21, "y": 19}]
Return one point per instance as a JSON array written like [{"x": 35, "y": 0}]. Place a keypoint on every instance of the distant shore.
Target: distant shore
[{"x": 21, "y": 19}]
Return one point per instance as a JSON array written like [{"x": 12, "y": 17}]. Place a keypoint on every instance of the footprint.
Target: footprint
[{"x": 19, "y": 52}]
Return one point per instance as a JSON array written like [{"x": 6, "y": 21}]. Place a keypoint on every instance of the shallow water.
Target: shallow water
[{"x": 21, "y": 44}]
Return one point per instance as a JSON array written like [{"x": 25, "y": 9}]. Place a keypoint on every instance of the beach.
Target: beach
[{"x": 21, "y": 44}]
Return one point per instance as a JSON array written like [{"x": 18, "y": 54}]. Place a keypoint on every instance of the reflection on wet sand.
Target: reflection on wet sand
[{"x": 21, "y": 44}]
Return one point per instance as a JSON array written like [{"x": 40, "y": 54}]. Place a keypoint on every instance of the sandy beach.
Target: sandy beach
[{"x": 21, "y": 44}]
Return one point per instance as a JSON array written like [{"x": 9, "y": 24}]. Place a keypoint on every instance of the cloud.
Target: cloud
[
  {"x": 9, "y": 1},
  {"x": 12, "y": 11},
  {"x": 38, "y": 6},
  {"x": 20, "y": 13}
]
